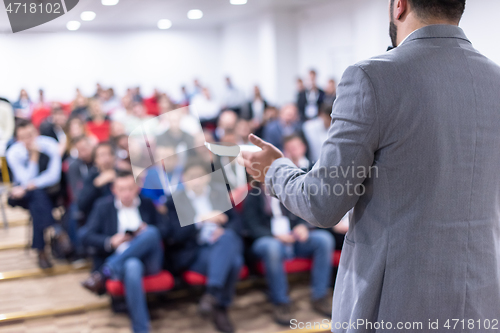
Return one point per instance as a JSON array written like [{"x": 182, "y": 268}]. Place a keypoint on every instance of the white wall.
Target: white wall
[
  {"x": 62, "y": 62},
  {"x": 269, "y": 49},
  {"x": 482, "y": 27},
  {"x": 340, "y": 33}
]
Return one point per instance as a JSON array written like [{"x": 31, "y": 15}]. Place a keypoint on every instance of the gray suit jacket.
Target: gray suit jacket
[{"x": 420, "y": 128}]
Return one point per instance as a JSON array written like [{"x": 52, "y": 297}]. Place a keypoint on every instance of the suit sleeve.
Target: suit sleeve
[
  {"x": 325, "y": 194},
  {"x": 93, "y": 236},
  {"x": 88, "y": 195}
]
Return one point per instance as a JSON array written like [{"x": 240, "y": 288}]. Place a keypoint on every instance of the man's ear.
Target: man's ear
[{"x": 400, "y": 8}]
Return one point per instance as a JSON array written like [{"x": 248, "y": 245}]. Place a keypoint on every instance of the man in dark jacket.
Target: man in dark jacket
[
  {"x": 125, "y": 231},
  {"x": 279, "y": 235},
  {"x": 77, "y": 172},
  {"x": 99, "y": 178},
  {"x": 309, "y": 101},
  {"x": 212, "y": 246}
]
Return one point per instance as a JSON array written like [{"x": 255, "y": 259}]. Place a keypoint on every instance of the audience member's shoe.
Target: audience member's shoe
[
  {"x": 323, "y": 306},
  {"x": 96, "y": 283},
  {"x": 43, "y": 260},
  {"x": 61, "y": 246},
  {"x": 283, "y": 314},
  {"x": 207, "y": 305},
  {"x": 221, "y": 320}
]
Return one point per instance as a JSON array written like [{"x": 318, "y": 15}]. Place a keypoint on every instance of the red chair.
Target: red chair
[
  {"x": 161, "y": 282},
  {"x": 39, "y": 115},
  {"x": 298, "y": 265},
  {"x": 197, "y": 279}
]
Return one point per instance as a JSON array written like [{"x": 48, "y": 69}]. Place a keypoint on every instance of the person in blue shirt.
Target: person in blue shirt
[
  {"x": 163, "y": 178},
  {"x": 35, "y": 163}
]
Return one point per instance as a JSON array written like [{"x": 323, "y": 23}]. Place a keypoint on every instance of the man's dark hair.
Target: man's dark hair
[
  {"x": 123, "y": 174},
  {"x": 78, "y": 139},
  {"x": 21, "y": 123},
  {"x": 292, "y": 137},
  {"x": 103, "y": 144},
  {"x": 447, "y": 9},
  {"x": 57, "y": 109},
  {"x": 198, "y": 162},
  {"x": 326, "y": 109}
]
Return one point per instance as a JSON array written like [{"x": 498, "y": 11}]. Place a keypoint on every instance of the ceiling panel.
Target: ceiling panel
[{"x": 133, "y": 15}]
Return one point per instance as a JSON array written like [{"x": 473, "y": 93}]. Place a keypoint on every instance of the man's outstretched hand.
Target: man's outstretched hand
[{"x": 258, "y": 163}]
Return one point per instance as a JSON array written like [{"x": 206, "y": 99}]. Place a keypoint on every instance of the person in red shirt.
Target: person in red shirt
[{"x": 98, "y": 124}]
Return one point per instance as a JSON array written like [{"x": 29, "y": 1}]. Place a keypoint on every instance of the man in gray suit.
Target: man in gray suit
[{"x": 414, "y": 146}]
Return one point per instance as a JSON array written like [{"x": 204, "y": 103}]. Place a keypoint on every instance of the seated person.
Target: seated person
[
  {"x": 279, "y": 235},
  {"x": 53, "y": 127},
  {"x": 98, "y": 124},
  {"x": 158, "y": 187},
  {"x": 98, "y": 182},
  {"x": 36, "y": 167},
  {"x": 212, "y": 247},
  {"x": 125, "y": 231}
]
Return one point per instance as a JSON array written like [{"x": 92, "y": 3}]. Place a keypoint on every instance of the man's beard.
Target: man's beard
[
  {"x": 393, "y": 29},
  {"x": 393, "y": 32}
]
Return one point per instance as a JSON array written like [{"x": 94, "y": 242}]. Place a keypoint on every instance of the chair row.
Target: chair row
[{"x": 165, "y": 281}]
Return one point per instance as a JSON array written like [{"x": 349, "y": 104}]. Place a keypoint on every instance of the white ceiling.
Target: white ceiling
[{"x": 131, "y": 15}]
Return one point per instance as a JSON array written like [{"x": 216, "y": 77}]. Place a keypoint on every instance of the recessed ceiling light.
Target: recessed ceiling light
[
  {"x": 238, "y": 2},
  {"x": 87, "y": 16},
  {"x": 164, "y": 24},
  {"x": 195, "y": 14},
  {"x": 73, "y": 25},
  {"x": 109, "y": 2}
]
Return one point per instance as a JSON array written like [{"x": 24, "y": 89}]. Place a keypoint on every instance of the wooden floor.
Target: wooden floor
[{"x": 36, "y": 301}]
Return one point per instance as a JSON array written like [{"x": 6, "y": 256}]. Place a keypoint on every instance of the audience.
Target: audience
[
  {"x": 279, "y": 235},
  {"x": 124, "y": 229},
  {"x": 119, "y": 220},
  {"x": 99, "y": 178}
]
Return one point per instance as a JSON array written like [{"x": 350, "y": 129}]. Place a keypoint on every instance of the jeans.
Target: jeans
[
  {"x": 221, "y": 262},
  {"x": 40, "y": 207},
  {"x": 319, "y": 246},
  {"x": 143, "y": 257}
]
